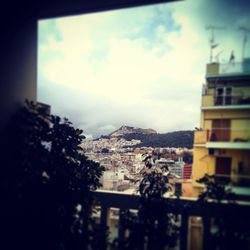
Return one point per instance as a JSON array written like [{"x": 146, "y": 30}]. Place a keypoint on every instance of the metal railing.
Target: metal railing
[
  {"x": 235, "y": 180},
  {"x": 231, "y": 100},
  {"x": 186, "y": 208},
  {"x": 233, "y": 67},
  {"x": 230, "y": 68},
  {"x": 221, "y": 135},
  {"x": 223, "y": 100},
  {"x": 228, "y": 135}
]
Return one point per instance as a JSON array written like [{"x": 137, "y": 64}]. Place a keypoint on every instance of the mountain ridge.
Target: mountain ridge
[
  {"x": 123, "y": 130},
  {"x": 150, "y": 138}
]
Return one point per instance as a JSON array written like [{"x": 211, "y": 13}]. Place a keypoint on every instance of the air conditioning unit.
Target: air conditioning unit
[
  {"x": 212, "y": 151},
  {"x": 216, "y": 152}
]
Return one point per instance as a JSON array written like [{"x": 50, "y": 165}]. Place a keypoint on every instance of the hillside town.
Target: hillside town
[{"x": 123, "y": 159}]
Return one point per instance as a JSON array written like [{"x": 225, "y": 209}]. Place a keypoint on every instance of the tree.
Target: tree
[
  {"x": 230, "y": 231},
  {"x": 187, "y": 157},
  {"x": 153, "y": 226},
  {"x": 46, "y": 183}
]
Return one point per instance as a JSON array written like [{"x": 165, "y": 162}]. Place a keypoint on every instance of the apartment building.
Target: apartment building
[{"x": 222, "y": 143}]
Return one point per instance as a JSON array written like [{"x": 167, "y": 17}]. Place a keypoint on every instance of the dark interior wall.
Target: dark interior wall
[{"x": 18, "y": 62}]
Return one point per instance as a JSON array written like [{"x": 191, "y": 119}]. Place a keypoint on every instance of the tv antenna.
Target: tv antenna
[
  {"x": 244, "y": 31},
  {"x": 212, "y": 42},
  {"x": 217, "y": 56}
]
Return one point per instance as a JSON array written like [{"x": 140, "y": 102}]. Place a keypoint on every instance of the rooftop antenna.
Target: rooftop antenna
[
  {"x": 244, "y": 31},
  {"x": 213, "y": 45},
  {"x": 217, "y": 56}
]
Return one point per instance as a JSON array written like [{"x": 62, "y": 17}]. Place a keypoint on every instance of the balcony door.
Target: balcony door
[
  {"x": 220, "y": 130},
  {"x": 223, "y": 96},
  {"x": 223, "y": 167}
]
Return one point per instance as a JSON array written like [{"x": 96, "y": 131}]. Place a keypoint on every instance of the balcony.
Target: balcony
[
  {"x": 242, "y": 180},
  {"x": 201, "y": 136},
  {"x": 210, "y": 102},
  {"x": 239, "y": 183},
  {"x": 232, "y": 68},
  {"x": 223, "y": 138},
  {"x": 229, "y": 69},
  {"x": 228, "y": 135},
  {"x": 195, "y": 218},
  {"x": 235, "y": 68}
]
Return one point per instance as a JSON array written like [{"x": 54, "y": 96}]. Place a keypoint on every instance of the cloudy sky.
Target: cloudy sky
[{"x": 142, "y": 66}]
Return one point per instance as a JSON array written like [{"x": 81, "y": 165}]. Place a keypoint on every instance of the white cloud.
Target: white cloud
[{"x": 129, "y": 67}]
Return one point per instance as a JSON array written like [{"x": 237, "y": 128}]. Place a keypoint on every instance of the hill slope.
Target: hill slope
[
  {"x": 124, "y": 130},
  {"x": 171, "y": 139}
]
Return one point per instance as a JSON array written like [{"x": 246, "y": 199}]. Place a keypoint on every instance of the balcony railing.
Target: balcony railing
[
  {"x": 221, "y": 135},
  {"x": 231, "y": 68},
  {"x": 231, "y": 100},
  {"x": 188, "y": 210},
  {"x": 210, "y": 100},
  {"x": 234, "y": 67},
  {"x": 228, "y": 135},
  {"x": 236, "y": 180}
]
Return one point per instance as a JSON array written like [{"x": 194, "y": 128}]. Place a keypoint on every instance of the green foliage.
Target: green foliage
[
  {"x": 229, "y": 231},
  {"x": 215, "y": 189},
  {"x": 187, "y": 157},
  {"x": 153, "y": 226},
  {"x": 46, "y": 182}
]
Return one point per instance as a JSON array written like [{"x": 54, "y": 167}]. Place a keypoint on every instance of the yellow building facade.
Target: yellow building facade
[{"x": 222, "y": 143}]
